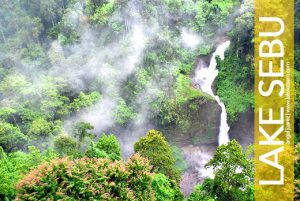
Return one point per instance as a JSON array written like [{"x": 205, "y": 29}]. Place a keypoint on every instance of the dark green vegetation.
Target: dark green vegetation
[
  {"x": 159, "y": 152},
  {"x": 106, "y": 147},
  {"x": 235, "y": 80}
]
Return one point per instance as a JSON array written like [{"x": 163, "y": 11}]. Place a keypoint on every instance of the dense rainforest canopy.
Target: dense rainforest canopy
[{"x": 73, "y": 70}]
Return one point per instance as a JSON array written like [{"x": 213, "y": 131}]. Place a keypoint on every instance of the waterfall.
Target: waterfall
[{"x": 204, "y": 77}]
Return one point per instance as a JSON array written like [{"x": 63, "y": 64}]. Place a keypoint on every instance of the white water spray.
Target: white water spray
[{"x": 204, "y": 78}]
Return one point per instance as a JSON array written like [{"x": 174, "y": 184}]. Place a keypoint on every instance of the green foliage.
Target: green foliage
[
  {"x": 180, "y": 163},
  {"x": 14, "y": 165},
  {"x": 14, "y": 84},
  {"x": 297, "y": 190},
  {"x": 54, "y": 104},
  {"x": 52, "y": 10},
  {"x": 297, "y": 55},
  {"x": 66, "y": 145},
  {"x": 40, "y": 128},
  {"x": 64, "y": 29},
  {"x": 233, "y": 178},
  {"x": 106, "y": 180},
  {"x": 165, "y": 189},
  {"x": 107, "y": 147},
  {"x": 233, "y": 85},
  {"x": 155, "y": 147},
  {"x": 66, "y": 35},
  {"x": 94, "y": 152},
  {"x": 184, "y": 90},
  {"x": 81, "y": 132},
  {"x": 124, "y": 113},
  {"x": 168, "y": 113},
  {"x": 181, "y": 117},
  {"x": 84, "y": 100},
  {"x": 214, "y": 12},
  {"x": 235, "y": 81},
  {"x": 200, "y": 194},
  {"x": 205, "y": 49},
  {"x": 243, "y": 30},
  {"x": 233, "y": 172},
  {"x": 11, "y": 138},
  {"x": 102, "y": 13},
  {"x": 173, "y": 5}
]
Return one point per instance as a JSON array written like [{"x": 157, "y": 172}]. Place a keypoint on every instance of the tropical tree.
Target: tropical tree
[
  {"x": 66, "y": 145},
  {"x": 200, "y": 194},
  {"x": 40, "y": 128},
  {"x": 155, "y": 147},
  {"x": 11, "y": 137},
  {"x": 233, "y": 173},
  {"x": 165, "y": 189},
  {"x": 107, "y": 147},
  {"x": 81, "y": 132}
]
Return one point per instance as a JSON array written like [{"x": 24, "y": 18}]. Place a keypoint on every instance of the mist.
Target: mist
[{"x": 102, "y": 62}]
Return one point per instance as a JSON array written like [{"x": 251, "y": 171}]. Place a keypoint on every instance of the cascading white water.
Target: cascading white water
[
  {"x": 198, "y": 156},
  {"x": 205, "y": 77}
]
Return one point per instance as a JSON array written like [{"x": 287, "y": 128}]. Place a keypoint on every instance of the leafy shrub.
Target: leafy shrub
[
  {"x": 234, "y": 84},
  {"x": 155, "y": 147},
  {"x": 184, "y": 90},
  {"x": 89, "y": 178},
  {"x": 106, "y": 147},
  {"x": 81, "y": 131},
  {"x": 180, "y": 163},
  {"x": 199, "y": 194},
  {"x": 85, "y": 100},
  {"x": 66, "y": 145},
  {"x": 103, "y": 13},
  {"x": 40, "y": 128},
  {"x": 14, "y": 165},
  {"x": 124, "y": 113},
  {"x": 11, "y": 137},
  {"x": 165, "y": 189}
]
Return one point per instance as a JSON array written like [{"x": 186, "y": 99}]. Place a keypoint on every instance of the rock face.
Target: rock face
[
  {"x": 198, "y": 142},
  {"x": 203, "y": 128},
  {"x": 243, "y": 129}
]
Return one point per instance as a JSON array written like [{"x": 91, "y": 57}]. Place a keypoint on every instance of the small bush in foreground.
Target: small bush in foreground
[{"x": 95, "y": 179}]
